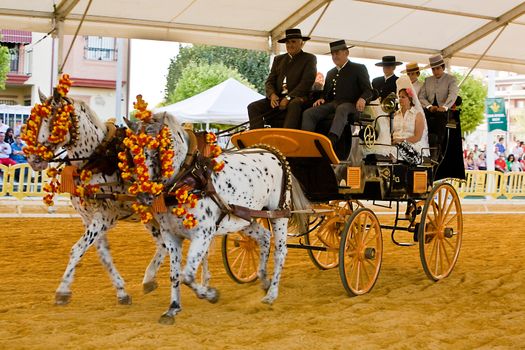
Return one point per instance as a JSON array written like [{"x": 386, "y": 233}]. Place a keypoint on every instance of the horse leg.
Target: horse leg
[
  {"x": 174, "y": 247},
  {"x": 149, "y": 284},
  {"x": 198, "y": 251},
  {"x": 106, "y": 259},
  {"x": 262, "y": 236},
  {"x": 92, "y": 233},
  {"x": 205, "y": 272},
  {"x": 280, "y": 231}
]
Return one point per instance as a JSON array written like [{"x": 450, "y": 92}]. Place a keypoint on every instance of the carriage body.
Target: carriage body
[{"x": 349, "y": 235}]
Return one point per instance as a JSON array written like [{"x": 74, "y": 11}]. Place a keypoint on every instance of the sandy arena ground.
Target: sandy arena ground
[{"x": 481, "y": 305}]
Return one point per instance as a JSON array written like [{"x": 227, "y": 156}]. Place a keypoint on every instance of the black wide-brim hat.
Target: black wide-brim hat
[
  {"x": 338, "y": 45},
  {"x": 389, "y": 61},
  {"x": 294, "y": 33}
]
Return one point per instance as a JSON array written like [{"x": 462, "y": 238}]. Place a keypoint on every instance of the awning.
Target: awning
[{"x": 15, "y": 36}]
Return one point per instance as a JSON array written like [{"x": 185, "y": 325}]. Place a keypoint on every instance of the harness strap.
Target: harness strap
[{"x": 247, "y": 213}]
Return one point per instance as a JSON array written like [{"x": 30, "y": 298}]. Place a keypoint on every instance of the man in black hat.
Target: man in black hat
[
  {"x": 387, "y": 83},
  {"x": 346, "y": 90},
  {"x": 288, "y": 84}
]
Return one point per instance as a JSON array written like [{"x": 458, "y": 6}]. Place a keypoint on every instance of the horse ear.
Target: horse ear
[
  {"x": 132, "y": 125},
  {"x": 41, "y": 95}
]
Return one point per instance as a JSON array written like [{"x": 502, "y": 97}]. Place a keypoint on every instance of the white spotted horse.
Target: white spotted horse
[
  {"x": 254, "y": 182},
  {"x": 93, "y": 147}
]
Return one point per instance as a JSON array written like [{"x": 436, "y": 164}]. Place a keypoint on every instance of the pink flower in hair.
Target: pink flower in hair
[{"x": 410, "y": 92}]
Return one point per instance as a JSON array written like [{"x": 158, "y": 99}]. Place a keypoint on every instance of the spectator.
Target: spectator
[
  {"x": 470, "y": 164},
  {"x": 3, "y": 127},
  {"x": 18, "y": 127},
  {"x": 17, "y": 154},
  {"x": 5, "y": 151},
  {"x": 481, "y": 161},
  {"x": 518, "y": 150},
  {"x": 499, "y": 147},
  {"x": 513, "y": 164},
  {"x": 9, "y": 136},
  {"x": 500, "y": 164}
]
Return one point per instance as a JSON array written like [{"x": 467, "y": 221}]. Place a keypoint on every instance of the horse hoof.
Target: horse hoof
[
  {"x": 215, "y": 296},
  {"x": 125, "y": 300},
  {"x": 62, "y": 298},
  {"x": 167, "y": 320},
  {"x": 267, "y": 300},
  {"x": 149, "y": 287}
]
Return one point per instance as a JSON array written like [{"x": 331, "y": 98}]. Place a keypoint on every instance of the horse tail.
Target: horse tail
[{"x": 299, "y": 202}]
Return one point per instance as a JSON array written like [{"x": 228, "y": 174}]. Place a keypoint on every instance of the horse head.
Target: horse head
[
  {"x": 49, "y": 129},
  {"x": 152, "y": 157}
]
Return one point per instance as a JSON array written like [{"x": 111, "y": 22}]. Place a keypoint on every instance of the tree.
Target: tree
[
  {"x": 195, "y": 79},
  {"x": 4, "y": 65},
  {"x": 473, "y": 93},
  {"x": 253, "y": 65}
]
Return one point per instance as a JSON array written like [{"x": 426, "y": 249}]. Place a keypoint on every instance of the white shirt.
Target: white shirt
[
  {"x": 3, "y": 127},
  {"x": 5, "y": 150},
  {"x": 405, "y": 127}
]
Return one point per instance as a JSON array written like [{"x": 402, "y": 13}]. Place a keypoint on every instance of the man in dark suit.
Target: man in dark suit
[
  {"x": 346, "y": 90},
  {"x": 288, "y": 84},
  {"x": 387, "y": 83}
]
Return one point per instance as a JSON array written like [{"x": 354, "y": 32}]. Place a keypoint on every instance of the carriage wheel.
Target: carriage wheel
[
  {"x": 361, "y": 252},
  {"x": 240, "y": 255},
  {"x": 328, "y": 235},
  {"x": 440, "y": 231}
]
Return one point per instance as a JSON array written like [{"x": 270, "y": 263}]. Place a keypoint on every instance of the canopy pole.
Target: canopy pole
[
  {"x": 63, "y": 63},
  {"x": 319, "y": 18},
  {"x": 482, "y": 55}
]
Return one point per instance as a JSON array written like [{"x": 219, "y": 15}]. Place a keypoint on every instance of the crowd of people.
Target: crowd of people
[
  {"x": 506, "y": 160},
  {"x": 348, "y": 89},
  {"x": 11, "y": 145}
]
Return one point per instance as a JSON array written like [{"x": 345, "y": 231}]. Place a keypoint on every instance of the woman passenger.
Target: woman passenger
[{"x": 409, "y": 121}]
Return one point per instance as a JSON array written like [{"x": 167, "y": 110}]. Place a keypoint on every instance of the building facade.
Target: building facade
[{"x": 93, "y": 64}]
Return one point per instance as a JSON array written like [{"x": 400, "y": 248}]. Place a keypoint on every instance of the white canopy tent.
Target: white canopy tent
[
  {"x": 410, "y": 29},
  {"x": 224, "y": 103}
]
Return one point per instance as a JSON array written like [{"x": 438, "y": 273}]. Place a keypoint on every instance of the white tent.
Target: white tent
[{"x": 224, "y": 103}]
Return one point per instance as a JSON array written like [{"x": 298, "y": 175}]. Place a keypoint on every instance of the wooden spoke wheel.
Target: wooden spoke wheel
[
  {"x": 361, "y": 252},
  {"x": 240, "y": 255},
  {"x": 440, "y": 231},
  {"x": 328, "y": 235}
]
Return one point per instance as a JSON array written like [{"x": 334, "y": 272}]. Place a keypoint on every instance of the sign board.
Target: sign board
[{"x": 496, "y": 115}]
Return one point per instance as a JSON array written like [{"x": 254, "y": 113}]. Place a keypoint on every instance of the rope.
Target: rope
[{"x": 75, "y": 37}]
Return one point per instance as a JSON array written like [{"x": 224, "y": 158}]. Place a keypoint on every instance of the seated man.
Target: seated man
[
  {"x": 346, "y": 91},
  {"x": 288, "y": 84},
  {"x": 386, "y": 84}
]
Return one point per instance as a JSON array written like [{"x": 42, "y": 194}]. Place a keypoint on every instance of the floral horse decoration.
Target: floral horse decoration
[
  {"x": 98, "y": 192},
  {"x": 212, "y": 194}
]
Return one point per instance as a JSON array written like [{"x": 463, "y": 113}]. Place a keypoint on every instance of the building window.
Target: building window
[
  {"x": 14, "y": 56},
  {"x": 100, "y": 48},
  {"x": 8, "y": 102}
]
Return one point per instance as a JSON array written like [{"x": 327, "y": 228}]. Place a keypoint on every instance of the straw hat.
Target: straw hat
[{"x": 411, "y": 67}]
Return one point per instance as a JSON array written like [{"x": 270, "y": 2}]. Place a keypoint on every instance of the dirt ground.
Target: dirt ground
[{"x": 481, "y": 305}]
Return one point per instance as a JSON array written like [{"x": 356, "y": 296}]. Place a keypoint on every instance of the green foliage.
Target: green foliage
[
  {"x": 253, "y": 65},
  {"x": 473, "y": 92},
  {"x": 198, "y": 78},
  {"x": 4, "y": 65}
]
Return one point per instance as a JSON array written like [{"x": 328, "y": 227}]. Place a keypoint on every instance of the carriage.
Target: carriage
[{"x": 345, "y": 234}]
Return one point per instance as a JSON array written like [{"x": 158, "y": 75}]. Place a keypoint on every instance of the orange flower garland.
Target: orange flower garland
[
  {"x": 63, "y": 123},
  {"x": 85, "y": 189},
  {"x": 136, "y": 144},
  {"x": 185, "y": 198},
  {"x": 52, "y": 186}
]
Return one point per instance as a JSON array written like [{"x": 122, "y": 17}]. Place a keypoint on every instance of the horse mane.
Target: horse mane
[{"x": 91, "y": 114}]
